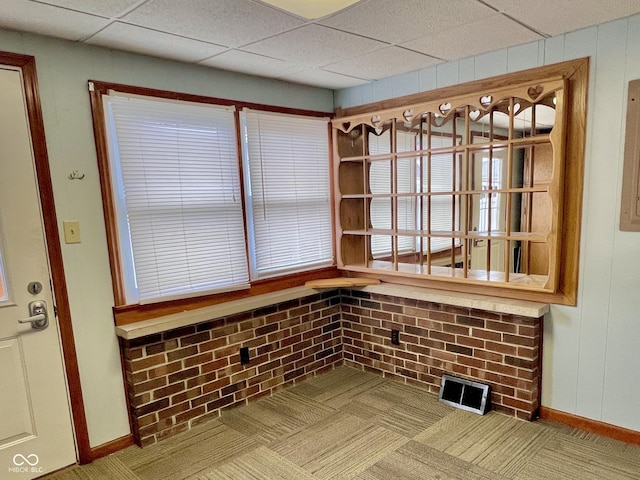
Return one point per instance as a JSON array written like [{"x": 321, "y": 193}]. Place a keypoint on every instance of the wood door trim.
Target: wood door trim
[{"x": 27, "y": 64}]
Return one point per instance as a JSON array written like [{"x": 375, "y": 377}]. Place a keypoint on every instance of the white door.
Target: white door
[{"x": 36, "y": 435}]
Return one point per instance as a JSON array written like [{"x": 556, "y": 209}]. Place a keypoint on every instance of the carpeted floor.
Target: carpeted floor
[{"x": 349, "y": 424}]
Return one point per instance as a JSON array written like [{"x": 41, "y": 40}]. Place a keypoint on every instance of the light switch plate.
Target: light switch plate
[{"x": 71, "y": 231}]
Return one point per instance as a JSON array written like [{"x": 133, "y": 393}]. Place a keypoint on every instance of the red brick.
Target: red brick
[
  {"x": 148, "y": 362},
  {"x": 527, "y": 331},
  {"x": 182, "y": 353},
  {"x": 518, "y": 340},
  {"x": 168, "y": 390},
  {"x": 186, "y": 395},
  {"x": 198, "y": 359},
  {"x": 171, "y": 411},
  {"x": 491, "y": 356},
  {"x": 216, "y": 385},
  {"x": 442, "y": 316},
  {"x": 194, "y": 339},
  {"x": 445, "y": 337},
  {"x": 429, "y": 324},
  {"x": 446, "y": 356},
  {"x": 486, "y": 334},
  {"x": 501, "y": 348},
  {"x": 381, "y": 315},
  {"x": 460, "y": 369},
  {"x": 427, "y": 342},
  {"x": 501, "y": 326},
  {"x": 214, "y": 366},
  {"x": 469, "y": 341},
  {"x": 389, "y": 307},
  {"x": 515, "y": 403},
  {"x": 149, "y": 385},
  {"x": 502, "y": 369},
  {"x": 190, "y": 414},
  {"x": 165, "y": 369},
  {"x": 528, "y": 352},
  {"x": 212, "y": 344},
  {"x": 470, "y": 361}
]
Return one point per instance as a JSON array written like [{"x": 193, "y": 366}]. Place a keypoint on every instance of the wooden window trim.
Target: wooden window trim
[
  {"x": 575, "y": 74},
  {"x": 129, "y": 313}
]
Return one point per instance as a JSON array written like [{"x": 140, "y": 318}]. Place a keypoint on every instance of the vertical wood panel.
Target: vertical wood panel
[
  {"x": 428, "y": 79},
  {"x": 523, "y": 57},
  {"x": 491, "y": 64},
  {"x": 622, "y": 361},
  {"x": 405, "y": 84},
  {"x": 600, "y": 222},
  {"x": 447, "y": 74}
]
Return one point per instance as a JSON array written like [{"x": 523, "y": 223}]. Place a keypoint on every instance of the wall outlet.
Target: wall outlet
[
  {"x": 244, "y": 356},
  {"x": 395, "y": 337}
]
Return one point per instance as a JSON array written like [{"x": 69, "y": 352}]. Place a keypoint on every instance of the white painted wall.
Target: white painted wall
[
  {"x": 63, "y": 71},
  {"x": 591, "y": 354}
]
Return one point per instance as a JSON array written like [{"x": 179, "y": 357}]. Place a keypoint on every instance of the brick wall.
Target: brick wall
[
  {"x": 181, "y": 377},
  {"x": 501, "y": 350}
]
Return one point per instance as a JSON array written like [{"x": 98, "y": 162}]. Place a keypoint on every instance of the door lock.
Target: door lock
[{"x": 39, "y": 319}]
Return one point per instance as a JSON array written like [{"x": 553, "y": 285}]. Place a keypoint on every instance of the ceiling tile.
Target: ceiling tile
[
  {"x": 400, "y": 21},
  {"x": 151, "y": 42},
  {"x": 314, "y": 45},
  {"x": 250, "y": 63},
  {"x": 554, "y": 17},
  {"x": 383, "y": 63},
  {"x": 106, "y": 8},
  {"x": 322, "y": 78},
  {"x": 48, "y": 20},
  {"x": 224, "y": 22},
  {"x": 497, "y": 32}
]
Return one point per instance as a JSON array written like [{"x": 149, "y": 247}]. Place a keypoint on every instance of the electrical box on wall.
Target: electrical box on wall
[{"x": 630, "y": 205}]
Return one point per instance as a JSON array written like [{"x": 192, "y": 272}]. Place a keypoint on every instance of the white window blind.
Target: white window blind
[
  {"x": 440, "y": 217},
  {"x": 380, "y": 183},
  {"x": 177, "y": 188},
  {"x": 288, "y": 192}
]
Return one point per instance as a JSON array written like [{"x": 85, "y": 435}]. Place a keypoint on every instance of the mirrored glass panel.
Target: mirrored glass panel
[{"x": 381, "y": 247}]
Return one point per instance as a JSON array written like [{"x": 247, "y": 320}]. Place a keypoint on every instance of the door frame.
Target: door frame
[{"x": 27, "y": 64}]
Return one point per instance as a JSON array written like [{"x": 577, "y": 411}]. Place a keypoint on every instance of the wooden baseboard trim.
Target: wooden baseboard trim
[
  {"x": 111, "y": 447},
  {"x": 588, "y": 425}
]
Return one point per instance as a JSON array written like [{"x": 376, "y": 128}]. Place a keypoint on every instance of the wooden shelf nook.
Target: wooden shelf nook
[{"x": 465, "y": 187}]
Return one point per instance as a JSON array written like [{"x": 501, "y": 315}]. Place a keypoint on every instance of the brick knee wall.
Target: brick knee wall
[
  {"x": 501, "y": 350},
  {"x": 181, "y": 377}
]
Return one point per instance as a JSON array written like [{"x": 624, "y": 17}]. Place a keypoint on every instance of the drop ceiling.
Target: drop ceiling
[{"x": 367, "y": 41}]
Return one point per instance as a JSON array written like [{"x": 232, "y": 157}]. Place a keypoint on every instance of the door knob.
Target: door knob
[{"x": 39, "y": 319}]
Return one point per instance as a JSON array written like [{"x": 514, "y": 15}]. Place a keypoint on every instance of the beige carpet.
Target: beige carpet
[{"x": 349, "y": 424}]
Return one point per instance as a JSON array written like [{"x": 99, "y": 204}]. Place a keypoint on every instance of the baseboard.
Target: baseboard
[
  {"x": 111, "y": 447},
  {"x": 588, "y": 425}
]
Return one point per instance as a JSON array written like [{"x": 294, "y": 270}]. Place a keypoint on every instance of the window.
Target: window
[
  {"x": 289, "y": 200},
  {"x": 178, "y": 197},
  {"x": 206, "y": 199},
  {"x": 469, "y": 187}
]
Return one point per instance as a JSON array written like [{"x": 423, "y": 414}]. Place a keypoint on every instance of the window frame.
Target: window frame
[
  {"x": 575, "y": 75},
  {"x": 125, "y": 313}
]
